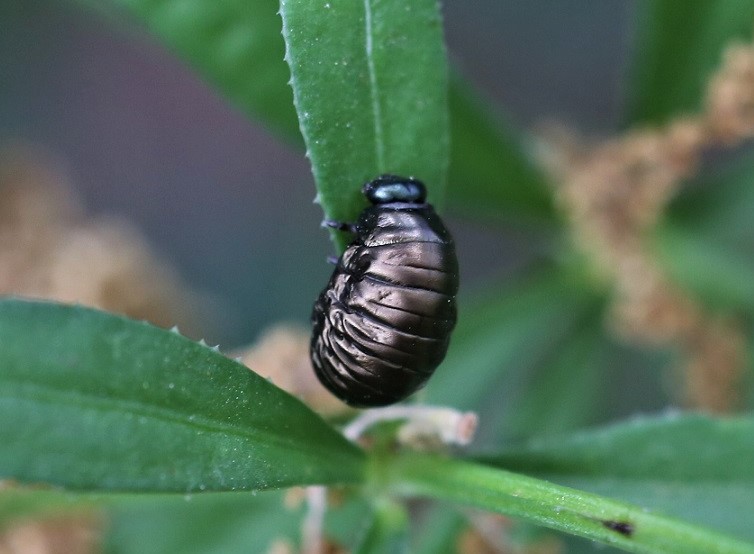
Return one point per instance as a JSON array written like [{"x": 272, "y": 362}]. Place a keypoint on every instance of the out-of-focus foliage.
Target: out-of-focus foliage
[{"x": 534, "y": 356}]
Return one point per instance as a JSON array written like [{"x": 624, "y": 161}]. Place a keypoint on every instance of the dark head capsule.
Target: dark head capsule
[{"x": 382, "y": 325}]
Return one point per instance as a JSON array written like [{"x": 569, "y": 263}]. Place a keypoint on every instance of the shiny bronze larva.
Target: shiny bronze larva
[{"x": 382, "y": 325}]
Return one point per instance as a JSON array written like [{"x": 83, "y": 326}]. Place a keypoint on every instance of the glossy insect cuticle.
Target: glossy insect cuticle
[{"x": 383, "y": 323}]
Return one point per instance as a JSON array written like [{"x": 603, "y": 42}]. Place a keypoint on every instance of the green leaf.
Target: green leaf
[
  {"x": 504, "y": 332},
  {"x": 693, "y": 467},
  {"x": 369, "y": 82},
  {"x": 565, "y": 389},
  {"x": 347, "y": 523},
  {"x": 625, "y": 526},
  {"x": 231, "y": 523},
  {"x": 89, "y": 400},
  {"x": 705, "y": 240},
  {"x": 490, "y": 174},
  {"x": 719, "y": 274},
  {"x": 388, "y": 532},
  {"x": 440, "y": 530},
  {"x": 679, "y": 43},
  {"x": 234, "y": 44}
]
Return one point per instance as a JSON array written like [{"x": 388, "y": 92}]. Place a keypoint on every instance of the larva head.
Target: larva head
[{"x": 387, "y": 189}]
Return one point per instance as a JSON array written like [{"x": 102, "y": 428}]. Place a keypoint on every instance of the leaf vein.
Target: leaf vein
[
  {"x": 373, "y": 87},
  {"x": 36, "y": 392}
]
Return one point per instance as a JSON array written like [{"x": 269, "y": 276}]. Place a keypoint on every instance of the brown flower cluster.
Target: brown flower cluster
[
  {"x": 614, "y": 192},
  {"x": 68, "y": 534},
  {"x": 491, "y": 534},
  {"x": 50, "y": 249},
  {"x": 729, "y": 115}
]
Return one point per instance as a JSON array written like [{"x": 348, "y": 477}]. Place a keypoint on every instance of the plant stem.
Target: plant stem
[{"x": 622, "y": 525}]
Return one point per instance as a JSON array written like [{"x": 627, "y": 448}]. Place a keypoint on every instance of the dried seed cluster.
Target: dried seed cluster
[
  {"x": 614, "y": 192},
  {"x": 50, "y": 249}
]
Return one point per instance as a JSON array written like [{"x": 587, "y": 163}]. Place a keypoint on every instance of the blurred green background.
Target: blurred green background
[{"x": 228, "y": 202}]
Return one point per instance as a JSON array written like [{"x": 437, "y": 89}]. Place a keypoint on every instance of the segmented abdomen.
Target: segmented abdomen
[{"x": 383, "y": 323}]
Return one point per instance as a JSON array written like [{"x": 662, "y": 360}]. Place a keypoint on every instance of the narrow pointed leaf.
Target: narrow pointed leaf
[
  {"x": 89, "y": 400},
  {"x": 506, "y": 330},
  {"x": 565, "y": 389},
  {"x": 693, "y": 467},
  {"x": 237, "y": 47},
  {"x": 626, "y": 526},
  {"x": 369, "y": 82}
]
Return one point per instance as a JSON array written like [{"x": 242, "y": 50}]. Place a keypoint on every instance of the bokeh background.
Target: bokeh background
[
  {"x": 133, "y": 130},
  {"x": 224, "y": 200}
]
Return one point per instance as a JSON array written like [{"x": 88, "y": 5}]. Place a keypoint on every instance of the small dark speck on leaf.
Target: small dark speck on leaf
[{"x": 623, "y": 527}]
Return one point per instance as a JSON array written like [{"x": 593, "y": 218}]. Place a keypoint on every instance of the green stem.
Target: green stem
[{"x": 575, "y": 512}]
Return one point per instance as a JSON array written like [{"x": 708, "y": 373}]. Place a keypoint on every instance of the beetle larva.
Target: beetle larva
[{"x": 382, "y": 325}]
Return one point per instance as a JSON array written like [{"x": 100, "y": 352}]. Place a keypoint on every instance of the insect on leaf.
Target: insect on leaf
[
  {"x": 369, "y": 81},
  {"x": 89, "y": 400}
]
